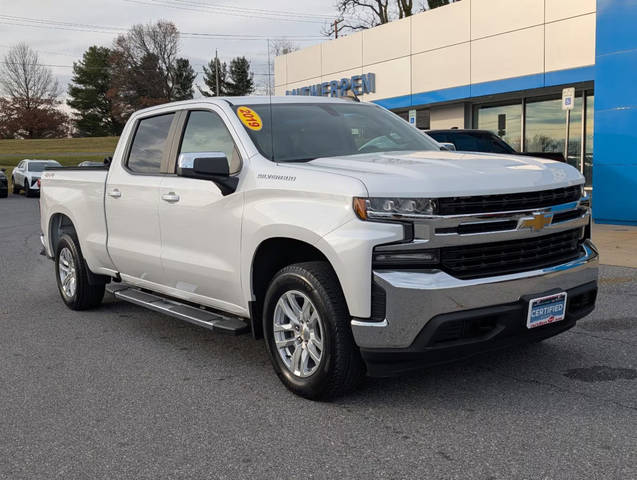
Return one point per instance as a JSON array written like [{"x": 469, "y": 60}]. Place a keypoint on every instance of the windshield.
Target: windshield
[
  {"x": 40, "y": 166},
  {"x": 305, "y": 131}
]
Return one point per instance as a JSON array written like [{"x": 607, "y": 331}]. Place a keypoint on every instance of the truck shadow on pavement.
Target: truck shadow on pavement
[{"x": 517, "y": 375}]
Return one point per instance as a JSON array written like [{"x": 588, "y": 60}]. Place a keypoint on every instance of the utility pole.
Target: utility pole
[
  {"x": 269, "y": 70},
  {"x": 217, "y": 72},
  {"x": 336, "y": 22}
]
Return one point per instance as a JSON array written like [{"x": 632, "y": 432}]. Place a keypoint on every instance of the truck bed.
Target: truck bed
[{"x": 77, "y": 192}]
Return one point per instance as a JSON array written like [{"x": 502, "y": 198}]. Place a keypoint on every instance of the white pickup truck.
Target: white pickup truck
[{"x": 333, "y": 229}]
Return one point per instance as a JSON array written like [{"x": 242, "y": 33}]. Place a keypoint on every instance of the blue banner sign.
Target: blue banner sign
[{"x": 359, "y": 84}]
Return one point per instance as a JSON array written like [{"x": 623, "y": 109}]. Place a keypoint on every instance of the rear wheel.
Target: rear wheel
[
  {"x": 307, "y": 332},
  {"x": 72, "y": 276},
  {"x": 27, "y": 189},
  {"x": 16, "y": 188}
]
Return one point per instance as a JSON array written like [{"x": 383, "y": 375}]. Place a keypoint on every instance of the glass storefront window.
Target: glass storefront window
[
  {"x": 505, "y": 121},
  {"x": 545, "y": 128},
  {"x": 575, "y": 134},
  {"x": 588, "y": 144}
]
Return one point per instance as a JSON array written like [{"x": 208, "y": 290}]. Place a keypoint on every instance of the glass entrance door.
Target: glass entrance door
[{"x": 503, "y": 120}]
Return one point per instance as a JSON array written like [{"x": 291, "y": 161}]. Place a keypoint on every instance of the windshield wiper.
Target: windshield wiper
[{"x": 297, "y": 160}]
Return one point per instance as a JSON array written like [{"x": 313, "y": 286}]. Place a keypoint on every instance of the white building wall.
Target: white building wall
[
  {"x": 508, "y": 55},
  {"x": 448, "y": 116},
  {"x": 462, "y": 44}
]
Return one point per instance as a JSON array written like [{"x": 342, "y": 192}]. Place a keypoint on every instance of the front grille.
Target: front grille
[
  {"x": 507, "y": 202},
  {"x": 500, "y": 258},
  {"x": 570, "y": 215},
  {"x": 484, "y": 227}
]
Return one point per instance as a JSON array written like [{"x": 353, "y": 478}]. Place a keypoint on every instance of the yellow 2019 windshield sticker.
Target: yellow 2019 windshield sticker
[{"x": 250, "y": 118}]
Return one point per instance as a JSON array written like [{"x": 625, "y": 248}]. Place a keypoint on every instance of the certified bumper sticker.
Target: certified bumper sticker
[
  {"x": 249, "y": 118},
  {"x": 545, "y": 310}
]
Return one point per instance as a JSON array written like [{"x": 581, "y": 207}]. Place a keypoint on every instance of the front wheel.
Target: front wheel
[
  {"x": 72, "y": 276},
  {"x": 307, "y": 332}
]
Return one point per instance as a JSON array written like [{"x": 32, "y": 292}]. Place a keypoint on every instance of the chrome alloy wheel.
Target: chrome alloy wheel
[
  {"x": 298, "y": 333},
  {"x": 67, "y": 272}
]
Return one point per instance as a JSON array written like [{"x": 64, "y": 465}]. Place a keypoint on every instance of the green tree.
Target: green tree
[
  {"x": 241, "y": 80},
  {"x": 214, "y": 67},
  {"x": 146, "y": 82},
  {"x": 184, "y": 79},
  {"x": 89, "y": 94}
]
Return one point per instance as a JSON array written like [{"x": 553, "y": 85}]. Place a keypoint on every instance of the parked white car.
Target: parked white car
[
  {"x": 335, "y": 230},
  {"x": 26, "y": 175}
]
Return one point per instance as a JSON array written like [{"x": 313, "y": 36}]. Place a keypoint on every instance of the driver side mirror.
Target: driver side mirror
[
  {"x": 213, "y": 166},
  {"x": 450, "y": 147}
]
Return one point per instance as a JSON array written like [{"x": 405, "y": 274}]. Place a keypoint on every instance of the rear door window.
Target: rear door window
[{"x": 150, "y": 144}]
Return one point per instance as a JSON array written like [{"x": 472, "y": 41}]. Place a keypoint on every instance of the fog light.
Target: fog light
[{"x": 406, "y": 259}]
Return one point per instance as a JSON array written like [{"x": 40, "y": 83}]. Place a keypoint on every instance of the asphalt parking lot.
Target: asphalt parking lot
[{"x": 120, "y": 392}]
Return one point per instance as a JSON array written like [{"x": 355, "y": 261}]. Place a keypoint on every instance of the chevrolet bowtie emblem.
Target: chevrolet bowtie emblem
[{"x": 537, "y": 222}]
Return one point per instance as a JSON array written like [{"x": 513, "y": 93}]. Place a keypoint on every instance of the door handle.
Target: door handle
[
  {"x": 171, "y": 197},
  {"x": 115, "y": 193}
]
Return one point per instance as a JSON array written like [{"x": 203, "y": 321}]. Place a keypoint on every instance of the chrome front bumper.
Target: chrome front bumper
[{"x": 415, "y": 297}]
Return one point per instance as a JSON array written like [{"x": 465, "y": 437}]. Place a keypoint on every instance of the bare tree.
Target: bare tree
[
  {"x": 24, "y": 80},
  {"x": 357, "y": 15},
  {"x": 282, "y": 46},
  {"x": 277, "y": 47},
  {"x": 160, "y": 41},
  {"x": 146, "y": 69},
  {"x": 429, "y": 4},
  {"x": 29, "y": 108},
  {"x": 405, "y": 8}
]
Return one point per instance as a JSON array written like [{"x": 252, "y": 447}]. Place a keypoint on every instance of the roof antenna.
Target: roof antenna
[
  {"x": 270, "y": 86},
  {"x": 351, "y": 95}
]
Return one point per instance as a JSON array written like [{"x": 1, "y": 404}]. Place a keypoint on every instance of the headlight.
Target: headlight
[{"x": 394, "y": 208}]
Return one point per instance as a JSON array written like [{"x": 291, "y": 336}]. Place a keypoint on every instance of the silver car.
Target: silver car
[{"x": 26, "y": 175}]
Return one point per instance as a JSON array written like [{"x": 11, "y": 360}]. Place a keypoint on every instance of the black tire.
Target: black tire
[
  {"x": 4, "y": 194},
  {"x": 16, "y": 188},
  {"x": 85, "y": 295},
  {"x": 27, "y": 189},
  {"x": 340, "y": 368}
]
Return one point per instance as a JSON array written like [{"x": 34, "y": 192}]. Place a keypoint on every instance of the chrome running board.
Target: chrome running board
[{"x": 198, "y": 316}]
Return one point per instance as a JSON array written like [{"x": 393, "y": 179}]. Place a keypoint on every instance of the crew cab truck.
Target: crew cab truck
[{"x": 333, "y": 229}]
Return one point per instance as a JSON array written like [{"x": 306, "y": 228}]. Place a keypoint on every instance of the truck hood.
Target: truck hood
[{"x": 448, "y": 174}]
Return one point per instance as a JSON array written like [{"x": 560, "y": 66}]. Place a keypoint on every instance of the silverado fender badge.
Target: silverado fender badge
[{"x": 537, "y": 222}]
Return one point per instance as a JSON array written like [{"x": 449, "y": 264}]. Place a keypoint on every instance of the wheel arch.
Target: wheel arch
[
  {"x": 59, "y": 224},
  {"x": 270, "y": 256}
]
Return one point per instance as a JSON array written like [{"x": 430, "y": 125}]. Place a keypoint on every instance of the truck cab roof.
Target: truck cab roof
[{"x": 246, "y": 100}]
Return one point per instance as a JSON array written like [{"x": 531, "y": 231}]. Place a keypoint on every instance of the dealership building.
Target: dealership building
[{"x": 502, "y": 65}]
